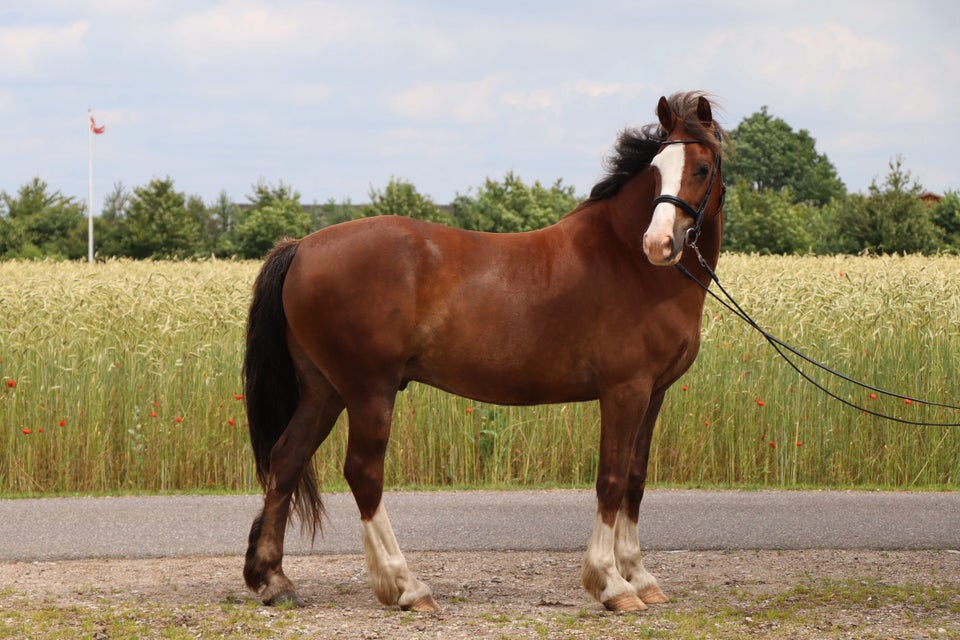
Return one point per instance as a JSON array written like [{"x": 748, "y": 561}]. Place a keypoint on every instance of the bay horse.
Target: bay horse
[{"x": 581, "y": 310}]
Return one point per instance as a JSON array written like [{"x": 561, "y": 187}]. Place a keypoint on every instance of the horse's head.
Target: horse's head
[{"x": 690, "y": 185}]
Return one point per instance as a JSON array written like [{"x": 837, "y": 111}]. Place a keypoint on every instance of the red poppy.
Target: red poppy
[
  {"x": 908, "y": 401},
  {"x": 684, "y": 388},
  {"x": 761, "y": 403},
  {"x": 26, "y": 432},
  {"x": 238, "y": 396},
  {"x": 773, "y": 445},
  {"x": 231, "y": 422},
  {"x": 11, "y": 383},
  {"x": 799, "y": 444},
  {"x": 179, "y": 419},
  {"x": 153, "y": 414},
  {"x": 63, "y": 423},
  {"x": 873, "y": 396},
  {"x": 469, "y": 409}
]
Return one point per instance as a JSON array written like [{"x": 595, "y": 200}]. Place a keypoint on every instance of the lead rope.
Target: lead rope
[{"x": 780, "y": 346}]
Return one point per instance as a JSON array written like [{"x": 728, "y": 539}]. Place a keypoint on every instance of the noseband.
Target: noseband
[{"x": 693, "y": 233}]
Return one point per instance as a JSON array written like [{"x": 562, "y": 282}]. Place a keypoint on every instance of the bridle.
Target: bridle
[{"x": 693, "y": 233}]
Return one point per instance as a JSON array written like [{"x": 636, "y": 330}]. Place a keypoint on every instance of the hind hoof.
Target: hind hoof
[
  {"x": 625, "y": 603},
  {"x": 426, "y": 604},
  {"x": 653, "y": 595}
]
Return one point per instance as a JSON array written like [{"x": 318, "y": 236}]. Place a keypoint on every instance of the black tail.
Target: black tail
[{"x": 270, "y": 381}]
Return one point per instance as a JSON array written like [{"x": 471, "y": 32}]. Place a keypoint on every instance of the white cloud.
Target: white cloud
[
  {"x": 26, "y": 49},
  {"x": 225, "y": 28},
  {"x": 461, "y": 102}
]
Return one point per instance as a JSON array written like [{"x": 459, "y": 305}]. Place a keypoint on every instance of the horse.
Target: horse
[{"x": 581, "y": 310}]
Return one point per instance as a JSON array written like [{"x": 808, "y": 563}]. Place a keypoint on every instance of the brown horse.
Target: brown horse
[{"x": 581, "y": 310}]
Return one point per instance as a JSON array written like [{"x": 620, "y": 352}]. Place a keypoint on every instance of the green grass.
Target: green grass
[
  {"x": 125, "y": 377},
  {"x": 821, "y": 608}
]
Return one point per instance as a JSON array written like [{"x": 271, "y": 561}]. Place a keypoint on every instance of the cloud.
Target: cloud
[
  {"x": 226, "y": 28},
  {"x": 27, "y": 49},
  {"x": 569, "y": 93},
  {"x": 460, "y": 102}
]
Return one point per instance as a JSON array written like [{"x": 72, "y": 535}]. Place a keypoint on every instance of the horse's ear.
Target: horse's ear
[
  {"x": 666, "y": 115},
  {"x": 704, "y": 112}
]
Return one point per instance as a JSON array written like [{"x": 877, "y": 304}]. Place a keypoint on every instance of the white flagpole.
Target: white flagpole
[{"x": 89, "y": 188}]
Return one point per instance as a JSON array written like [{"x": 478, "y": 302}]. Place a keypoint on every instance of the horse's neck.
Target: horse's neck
[{"x": 632, "y": 209}]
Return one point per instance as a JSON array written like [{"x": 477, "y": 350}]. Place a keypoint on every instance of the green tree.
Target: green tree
[
  {"x": 158, "y": 225},
  {"x": 333, "y": 212},
  {"x": 512, "y": 206},
  {"x": 36, "y": 222},
  {"x": 769, "y": 155},
  {"x": 401, "y": 198},
  {"x": 890, "y": 219},
  {"x": 768, "y": 222},
  {"x": 274, "y": 213},
  {"x": 946, "y": 215},
  {"x": 221, "y": 220},
  {"x": 107, "y": 227}
]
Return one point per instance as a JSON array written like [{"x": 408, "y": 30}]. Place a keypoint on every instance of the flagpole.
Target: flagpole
[{"x": 89, "y": 189}]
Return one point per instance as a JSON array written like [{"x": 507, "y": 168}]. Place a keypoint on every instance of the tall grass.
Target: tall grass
[{"x": 126, "y": 377}]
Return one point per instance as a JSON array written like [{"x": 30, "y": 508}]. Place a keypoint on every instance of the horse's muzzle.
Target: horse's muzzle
[{"x": 663, "y": 250}]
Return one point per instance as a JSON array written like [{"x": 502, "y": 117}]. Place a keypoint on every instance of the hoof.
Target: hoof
[
  {"x": 285, "y": 600},
  {"x": 426, "y": 604},
  {"x": 626, "y": 602},
  {"x": 653, "y": 595}
]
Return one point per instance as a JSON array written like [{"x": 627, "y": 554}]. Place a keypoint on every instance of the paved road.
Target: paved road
[{"x": 76, "y": 528}]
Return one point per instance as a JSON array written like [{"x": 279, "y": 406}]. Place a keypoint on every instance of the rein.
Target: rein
[{"x": 780, "y": 346}]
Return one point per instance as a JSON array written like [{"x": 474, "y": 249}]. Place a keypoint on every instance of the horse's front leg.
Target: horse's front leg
[
  {"x": 628, "y": 554},
  {"x": 390, "y": 577},
  {"x": 621, "y": 410}
]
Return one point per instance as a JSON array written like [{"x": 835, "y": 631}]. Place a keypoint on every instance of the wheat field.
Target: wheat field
[{"x": 125, "y": 377}]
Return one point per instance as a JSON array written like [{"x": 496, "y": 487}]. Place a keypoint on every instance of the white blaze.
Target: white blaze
[{"x": 669, "y": 163}]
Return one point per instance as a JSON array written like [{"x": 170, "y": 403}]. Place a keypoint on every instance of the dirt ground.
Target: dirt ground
[{"x": 788, "y": 594}]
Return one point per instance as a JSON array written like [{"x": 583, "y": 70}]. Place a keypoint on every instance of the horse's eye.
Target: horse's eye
[{"x": 702, "y": 170}]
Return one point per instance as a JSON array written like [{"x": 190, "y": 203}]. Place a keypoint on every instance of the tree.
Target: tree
[
  {"x": 107, "y": 227},
  {"x": 767, "y": 222},
  {"x": 36, "y": 223},
  {"x": 401, "y": 198},
  {"x": 946, "y": 215},
  {"x": 158, "y": 224},
  {"x": 333, "y": 212},
  {"x": 891, "y": 219},
  {"x": 275, "y": 213},
  {"x": 218, "y": 232},
  {"x": 768, "y": 155},
  {"x": 512, "y": 206}
]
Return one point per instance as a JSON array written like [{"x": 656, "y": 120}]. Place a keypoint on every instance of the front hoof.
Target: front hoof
[
  {"x": 625, "y": 603},
  {"x": 426, "y": 604},
  {"x": 653, "y": 595},
  {"x": 291, "y": 599}
]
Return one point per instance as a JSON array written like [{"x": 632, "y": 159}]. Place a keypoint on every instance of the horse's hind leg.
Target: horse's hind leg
[
  {"x": 391, "y": 578},
  {"x": 312, "y": 421},
  {"x": 627, "y": 546}
]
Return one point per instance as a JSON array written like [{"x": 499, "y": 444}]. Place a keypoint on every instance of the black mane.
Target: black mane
[{"x": 635, "y": 148}]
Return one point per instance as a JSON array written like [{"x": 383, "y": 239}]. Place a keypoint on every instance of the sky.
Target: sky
[{"x": 336, "y": 98}]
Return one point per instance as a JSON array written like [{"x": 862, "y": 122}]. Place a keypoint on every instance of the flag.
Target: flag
[{"x": 94, "y": 128}]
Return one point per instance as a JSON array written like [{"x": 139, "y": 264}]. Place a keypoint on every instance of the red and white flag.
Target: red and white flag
[{"x": 94, "y": 128}]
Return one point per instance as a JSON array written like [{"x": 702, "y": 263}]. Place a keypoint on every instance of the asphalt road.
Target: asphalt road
[{"x": 78, "y": 528}]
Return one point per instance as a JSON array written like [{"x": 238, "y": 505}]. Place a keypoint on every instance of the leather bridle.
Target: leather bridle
[{"x": 693, "y": 233}]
